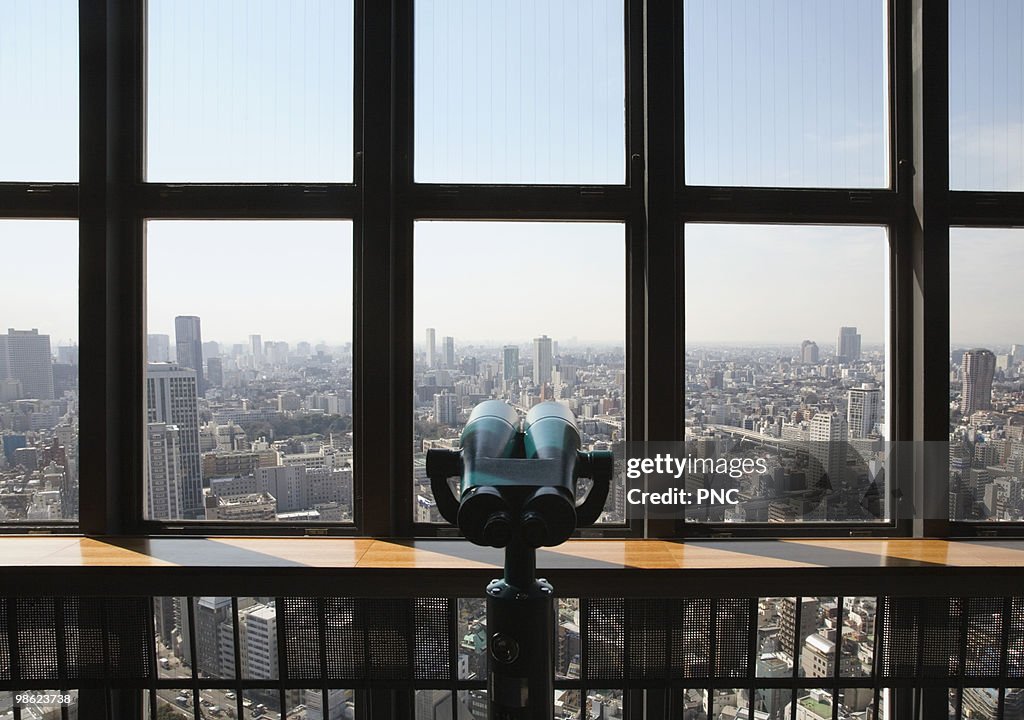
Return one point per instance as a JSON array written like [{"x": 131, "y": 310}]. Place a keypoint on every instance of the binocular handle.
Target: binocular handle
[
  {"x": 441, "y": 465},
  {"x": 599, "y": 466}
]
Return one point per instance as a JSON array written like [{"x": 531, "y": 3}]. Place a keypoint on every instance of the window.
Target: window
[
  {"x": 986, "y": 95},
  {"x": 510, "y": 92},
  {"x": 786, "y": 94},
  {"x": 786, "y": 361},
  {"x": 249, "y": 92},
  {"x": 39, "y": 403},
  {"x": 249, "y": 374},
  {"x": 521, "y": 312},
  {"x": 39, "y": 88}
]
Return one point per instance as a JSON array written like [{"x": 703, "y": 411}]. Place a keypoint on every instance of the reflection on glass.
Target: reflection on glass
[
  {"x": 986, "y": 453},
  {"x": 39, "y": 412},
  {"x": 472, "y": 705},
  {"x": 986, "y": 95},
  {"x": 521, "y": 312},
  {"x": 433, "y": 705},
  {"x": 784, "y": 94},
  {"x": 249, "y": 92},
  {"x": 786, "y": 362},
  {"x": 249, "y": 383},
  {"x": 511, "y": 92},
  {"x": 39, "y": 90}
]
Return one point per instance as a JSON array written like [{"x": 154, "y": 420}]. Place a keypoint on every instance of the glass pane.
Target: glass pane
[
  {"x": 786, "y": 94},
  {"x": 986, "y": 95},
  {"x": 257, "y": 632},
  {"x": 857, "y": 645},
  {"x": 255, "y": 423},
  {"x": 175, "y": 704},
  {"x": 817, "y": 627},
  {"x": 39, "y": 87},
  {"x": 856, "y": 700},
  {"x": 510, "y": 92},
  {"x": 433, "y": 705},
  {"x": 986, "y": 453},
  {"x": 261, "y": 704},
  {"x": 472, "y": 639},
  {"x": 772, "y": 704},
  {"x": 472, "y": 705},
  {"x": 249, "y": 92},
  {"x": 173, "y": 649},
  {"x": 568, "y": 641},
  {"x": 774, "y": 637},
  {"x": 214, "y": 637},
  {"x": 39, "y": 371},
  {"x": 980, "y": 703},
  {"x": 727, "y": 704},
  {"x": 493, "y": 332},
  {"x": 609, "y": 704},
  {"x": 341, "y": 704},
  {"x": 1013, "y": 704},
  {"x": 218, "y": 704},
  {"x": 814, "y": 704},
  {"x": 786, "y": 361}
]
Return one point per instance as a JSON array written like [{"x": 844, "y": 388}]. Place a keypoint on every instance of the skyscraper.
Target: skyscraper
[
  {"x": 215, "y": 372},
  {"x": 542, "y": 360},
  {"x": 979, "y": 367},
  {"x": 828, "y": 436},
  {"x": 25, "y": 357},
  {"x": 848, "y": 344},
  {"x": 862, "y": 410},
  {"x": 510, "y": 363},
  {"x": 809, "y": 352},
  {"x": 171, "y": 398},
  {"x": 256, "y": 350},
  {"x": 163, "y": 489},
  {"x": 431, "y": 347},
  {"x": 448, "y": 346},
  {"x": 446, "y": 408},
  {"x": 188, "y": 343},
  {"x": 158, "y": 348}
]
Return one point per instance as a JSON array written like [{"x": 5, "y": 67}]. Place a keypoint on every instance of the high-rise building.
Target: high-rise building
[
  {"x": 431, "y": 347},
  {"x": 258, "y": 633},
  {"x": 510, "y": 363},
  {"x": 172, "y": 398},
  {"x": 164, "y": 489},
  {"x": 256, "y": 350},
  {"x": 25, "y": 357},
  {"x": 215, "y": 372},
  {"x": 862, "y": 409},
  {"x": 188, "y": 344},
  {"x": 158, "y": 348},
  {"x": 809, "y": 352},
  {"x": 448, "y": 347},
  {"x": 542, "y": 360},
  {"x": 828, "y": 436},
  {"x": 848, "y": 344},
  {"x": 210, "y": 613},
  {"x": 446, "y": 408},
  {"x": 979, "y": 367}
]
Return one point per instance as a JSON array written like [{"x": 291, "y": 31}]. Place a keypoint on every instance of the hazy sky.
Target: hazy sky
[
  {"x": 986, "y": 292},
  {"x": 784, "y": 283},
  {"x": 781, "y": 92}
]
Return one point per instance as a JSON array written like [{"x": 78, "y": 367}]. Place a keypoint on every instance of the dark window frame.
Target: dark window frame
[{"x": 111, "y": 201}]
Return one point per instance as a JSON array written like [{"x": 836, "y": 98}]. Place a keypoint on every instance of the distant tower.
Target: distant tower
[
  {"x": 542, "y": 360},
  {"x": 863, "y": 405},
  {"x": 979, "y": 367},
  {"x": 215, "y": 372},
  {"x": 809, "y": 352},
  {"x": 446, "y": 408},
  {"x": 510, "y": 363},
  {"x": 431, "y": 347},
  {"x": 158, "y": 348},
  {"x": 188, "y": 342},
  {"x": 448, "y": 346},
  {"x": 171, "y": 398},
  {"x": 25, "y": 356},
  {"x": 848, "y": 344},
  {"x": 256, "y": 350}
]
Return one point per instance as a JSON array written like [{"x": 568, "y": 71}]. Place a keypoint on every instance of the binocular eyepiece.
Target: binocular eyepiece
[{"x": 519, "y": 485}]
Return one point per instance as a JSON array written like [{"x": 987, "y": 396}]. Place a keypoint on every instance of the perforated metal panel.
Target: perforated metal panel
[
  {"x": 648, "y": 634},
  {"x": 694, "y": 644},
  {"x": 732, "y": 637},
  {"x": 83, "y": 637},
  {"x": 37, "y": 638},
  {"x": 1015, "y": 639},
  {"x": 5, "y": 650},
  {"x": 388, "y": 626},
  {"x": 941, "y": 624},
  {"x": 984, "y": 636},
  {"x": 302, "y": 625},
  {"x": 345, "y": 640},
  {"x": 432, "y": 620},
  {"x": 604, "y": 639}
]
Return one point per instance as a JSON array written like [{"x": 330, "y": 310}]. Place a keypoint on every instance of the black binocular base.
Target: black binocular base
[{"x": 520, "y": 627}]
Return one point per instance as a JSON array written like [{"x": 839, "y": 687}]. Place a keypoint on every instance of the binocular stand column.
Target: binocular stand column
[{"x": 520, "y": 626}]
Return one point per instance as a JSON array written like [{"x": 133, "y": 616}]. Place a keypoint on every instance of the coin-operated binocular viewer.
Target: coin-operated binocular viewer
[{"x": 518, "y": 491}]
